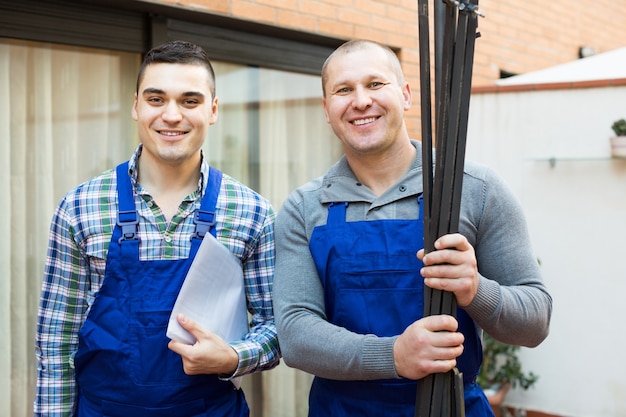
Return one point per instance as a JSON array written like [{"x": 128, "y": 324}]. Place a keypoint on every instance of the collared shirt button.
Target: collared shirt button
[
  {"x": 402, "y": 188},
  {"x": 168, "y": 239}
]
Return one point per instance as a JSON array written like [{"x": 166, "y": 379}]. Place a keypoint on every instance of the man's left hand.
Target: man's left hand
[
  {"x": 452, "y": 267},
  {"x": 209, "y": 355}
]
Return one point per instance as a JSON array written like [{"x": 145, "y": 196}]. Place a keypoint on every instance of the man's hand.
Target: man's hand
[
  {"x": 452, "y": 267},
  {"x": 209, "y": 355},
  {"x": 429, "y": 345}
]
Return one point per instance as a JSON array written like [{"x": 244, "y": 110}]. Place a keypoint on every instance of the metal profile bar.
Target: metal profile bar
[
  {"x": 441, "y": 395},
  {"x": 443, "y": 103},
  {"x": 452, "y": 139},
  {"x": 463, "y": 119},
  {"x": 448, "y": 301},
  {"x": 426, "y": 113},
  {"x": 425, "y": 387},
  {"x": 434, "y": 392}
]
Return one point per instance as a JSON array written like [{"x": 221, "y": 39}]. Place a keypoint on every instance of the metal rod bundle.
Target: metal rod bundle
[{"x": 441, "y": 395}]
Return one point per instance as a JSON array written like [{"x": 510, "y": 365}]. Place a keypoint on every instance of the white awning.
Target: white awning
[{"x": 606, "y": 66}]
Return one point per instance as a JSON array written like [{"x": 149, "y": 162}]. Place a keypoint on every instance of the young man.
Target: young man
[
  {"x": 348, "y": 292},
  {"x": 119, "y": 249}
]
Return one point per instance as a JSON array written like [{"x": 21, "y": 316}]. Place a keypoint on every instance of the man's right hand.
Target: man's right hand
[{"x": 429, "y": 345}]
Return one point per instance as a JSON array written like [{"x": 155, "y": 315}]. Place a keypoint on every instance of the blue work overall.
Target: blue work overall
[
  {"x": 372, "y": 285},
  {"x": 123, "y": 364}
]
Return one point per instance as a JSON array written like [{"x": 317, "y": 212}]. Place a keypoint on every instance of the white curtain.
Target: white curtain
[
  {"x": 296, "y": 145},
  {"x": 278, "y": 114},
  {"x": 227, "y": 145},
  {"x": 282, "y": 111},
  {"x": 64, "y": 117}
]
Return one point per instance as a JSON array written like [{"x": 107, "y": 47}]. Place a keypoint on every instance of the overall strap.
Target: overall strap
[
  {"x": 336, "y": 213},
  {"x": 420, "y": 202},
  {"x": 127, "y": 216},
  {"x": 204, "y": 218}
]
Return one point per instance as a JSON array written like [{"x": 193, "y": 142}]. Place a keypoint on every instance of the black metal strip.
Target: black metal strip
[
  {"x": 448, "y": 302},
  {"x": 441, "y": 394},
  {"x": 426, "y": 122},
  {"x": 425, "y": 387},
  {"x": 463, "y": 120}
]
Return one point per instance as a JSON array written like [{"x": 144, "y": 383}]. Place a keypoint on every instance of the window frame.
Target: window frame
[{"x": 135, "y": 26}]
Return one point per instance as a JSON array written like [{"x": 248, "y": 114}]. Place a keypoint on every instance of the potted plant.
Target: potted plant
[
  {"x": 618, "y": 142},
  {"x": 500, "y": 371}
]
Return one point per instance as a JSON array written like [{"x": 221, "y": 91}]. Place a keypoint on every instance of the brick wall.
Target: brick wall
[
  {"x": 528, "y": 35},
  {"x": 517, "y": 36}
]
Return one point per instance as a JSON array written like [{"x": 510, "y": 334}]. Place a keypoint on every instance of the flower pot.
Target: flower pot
[{"x": 618, "y": 147}]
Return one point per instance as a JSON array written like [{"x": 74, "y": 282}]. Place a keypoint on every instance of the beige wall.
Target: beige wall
[{"x": 552, "y": 146}]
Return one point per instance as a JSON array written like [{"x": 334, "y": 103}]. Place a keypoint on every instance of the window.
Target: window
[
  {"x": 271, "y": 132},
  {"x": 68, "y": 72},
  {"x": 65, "y": 117}
]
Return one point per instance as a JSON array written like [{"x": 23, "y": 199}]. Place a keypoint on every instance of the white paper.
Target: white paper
[{"x": 213, "y": 295}]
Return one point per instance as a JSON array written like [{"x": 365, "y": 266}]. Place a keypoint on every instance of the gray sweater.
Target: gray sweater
[{"x": 512, "y": 303}]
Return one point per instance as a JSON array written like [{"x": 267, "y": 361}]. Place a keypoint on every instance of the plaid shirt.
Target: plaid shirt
[{"x": 79, "y": 238}]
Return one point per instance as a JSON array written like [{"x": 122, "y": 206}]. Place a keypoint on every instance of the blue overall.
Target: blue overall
[
  {"x": 123, "y": 365},
  {"x": 372, "y": 285}
]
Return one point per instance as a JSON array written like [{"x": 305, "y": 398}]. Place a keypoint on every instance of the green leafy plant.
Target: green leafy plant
[
  {"x": 619, "y": 127},
  {"x": 501, "y": 366}
]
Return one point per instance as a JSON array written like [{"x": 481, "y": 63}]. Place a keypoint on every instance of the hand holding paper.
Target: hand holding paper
[
  {"x": 212, "y": 295},
  {"x": 209, "y": 355}
]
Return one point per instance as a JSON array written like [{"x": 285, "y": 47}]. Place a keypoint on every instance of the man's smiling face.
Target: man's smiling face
[
  {"x": 173, "y": 109},
  {"x": 364, "y": 102}
]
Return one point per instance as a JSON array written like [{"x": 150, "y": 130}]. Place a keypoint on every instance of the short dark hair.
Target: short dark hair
[{"x": 177, "y": 52}]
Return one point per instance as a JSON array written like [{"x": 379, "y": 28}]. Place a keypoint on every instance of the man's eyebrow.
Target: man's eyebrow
[
  {"x": 152, "y": 90},
  {"x": 193, "y": 94},
  {"x": 366, "y": 80}
]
